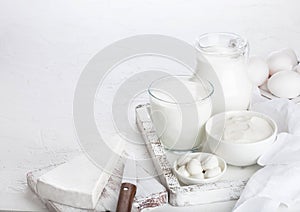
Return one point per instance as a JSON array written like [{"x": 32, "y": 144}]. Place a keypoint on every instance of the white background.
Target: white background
[{"x": 44, "y": 45}]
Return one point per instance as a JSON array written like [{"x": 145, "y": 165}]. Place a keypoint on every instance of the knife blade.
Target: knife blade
[{"x": 128, "y": 187}]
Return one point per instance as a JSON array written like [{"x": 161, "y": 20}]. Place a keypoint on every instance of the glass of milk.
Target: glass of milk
[
  {"x": 180, "y": 107},
  {"x": 221, "y": 58}
]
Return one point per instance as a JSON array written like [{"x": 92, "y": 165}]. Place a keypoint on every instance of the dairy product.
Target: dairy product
[
  {"x": 194, "y": 167},
  {"x": 201, "y": 166},
  {"x": 179, "y": 109},
  {"x": 182, "y": 170},
  {"x": 246, "y": 129},
  {"x": 221, "y": 58},
  {"x": 240, "y": 137},
  {"x": 209, "y": 173},
  {"x": 77, "y": 183},
  {"x": 198, "y": 176},
  {"x": 230, "y": 73},
  {"x": 210, "y": 162}
]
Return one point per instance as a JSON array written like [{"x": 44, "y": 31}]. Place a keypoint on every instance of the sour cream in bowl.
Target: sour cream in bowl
[{"x": 240, "y": 137}]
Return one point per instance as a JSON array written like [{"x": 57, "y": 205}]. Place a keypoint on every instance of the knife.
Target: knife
[{"x": 128, "y": 187}]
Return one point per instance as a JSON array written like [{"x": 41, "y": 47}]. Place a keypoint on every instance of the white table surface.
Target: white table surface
[{"x": 44, "y": 45}]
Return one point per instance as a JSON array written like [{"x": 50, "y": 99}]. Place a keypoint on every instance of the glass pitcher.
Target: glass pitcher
[{"x": 221, "y": 59}]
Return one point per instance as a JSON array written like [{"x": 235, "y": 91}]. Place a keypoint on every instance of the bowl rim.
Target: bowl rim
[
  {"x": 266, "y": 117},
  {"x": 202, "y": 181}
]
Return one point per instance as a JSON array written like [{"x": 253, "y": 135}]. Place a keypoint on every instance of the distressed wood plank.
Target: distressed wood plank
[{"x": 228, "y": 188}]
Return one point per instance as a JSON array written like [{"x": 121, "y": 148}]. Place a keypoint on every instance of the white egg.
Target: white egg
[
  {"x": 194, "y": 167},
  {"x": 210, "y": 163},
  {"x": 182, "y": 171},
  {"x": 212, "y": 172},
  {"x": 280, "y": 61},
  {"x": 198, "y": 176},
  {"x": 292, "y": 55},
  {"x": 258, "y": 70},
  {"x": 285, "y": 84},
  {"x": 184, "y": 159}
]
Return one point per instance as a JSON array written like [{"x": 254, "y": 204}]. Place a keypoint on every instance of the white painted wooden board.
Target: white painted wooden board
[
  {"x": 109, "y": 196},
  {"x": 228, "y": 188}
]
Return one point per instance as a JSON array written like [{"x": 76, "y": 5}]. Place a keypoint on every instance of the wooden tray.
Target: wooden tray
[{"x": 228, "y": 188}]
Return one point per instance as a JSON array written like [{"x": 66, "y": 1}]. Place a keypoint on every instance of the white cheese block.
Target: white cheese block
[{"x": 77, "y": 183}]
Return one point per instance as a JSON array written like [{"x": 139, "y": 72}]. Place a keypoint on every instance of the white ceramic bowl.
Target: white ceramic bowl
[
  {"x": 238, "y": 154},
  {"x": 193, "y": 181}
]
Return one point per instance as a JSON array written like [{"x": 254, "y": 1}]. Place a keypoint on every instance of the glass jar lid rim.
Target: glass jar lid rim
[{"x": 243, "y": 43}]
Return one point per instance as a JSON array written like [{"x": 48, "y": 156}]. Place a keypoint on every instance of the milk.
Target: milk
[
  {"x": 179, "y": 111},
  {"x": 225, "y": 67}
]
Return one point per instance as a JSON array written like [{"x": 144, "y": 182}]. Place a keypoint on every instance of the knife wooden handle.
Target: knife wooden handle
[{"x": 126, "y": 196}]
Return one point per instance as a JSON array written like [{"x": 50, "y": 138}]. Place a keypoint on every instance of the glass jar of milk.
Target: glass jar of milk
[
  {"x": 221, "y": 58},
  {"x": 180, "y": 107}
]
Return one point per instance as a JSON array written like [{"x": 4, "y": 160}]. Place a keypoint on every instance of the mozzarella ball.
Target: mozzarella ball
[
  {"x": 258, "y": 70},
  {"x": 182, "y": 171},
  {"x": 209, "y": 173},
  {"x": 210, "y": 163},
  {"x": 198, "y": 176},
  {"x": 285, "y": 84},
  {"x": 280, "y": 61},
  {"x": 184, "y": 159},
  {"x": 194, "y": 167}
]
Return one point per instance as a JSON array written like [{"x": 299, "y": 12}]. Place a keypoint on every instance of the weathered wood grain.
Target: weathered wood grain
[{"x": 228, "y": 188}]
